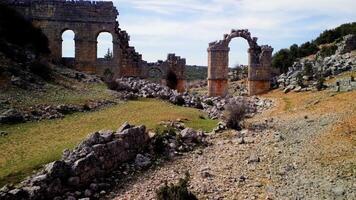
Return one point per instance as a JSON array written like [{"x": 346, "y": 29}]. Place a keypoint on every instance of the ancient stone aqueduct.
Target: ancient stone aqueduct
[{"x": 87, "y": 19}]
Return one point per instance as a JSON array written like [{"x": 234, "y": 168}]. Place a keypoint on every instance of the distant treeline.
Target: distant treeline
[
  {"x": 285, "y": 58},
  {"x": 194, "y": 72}
]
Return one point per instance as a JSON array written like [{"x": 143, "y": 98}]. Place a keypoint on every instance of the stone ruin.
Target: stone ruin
[
  {"x": 170, "y": 72},
  {"x": 87, "y": 19},
  {"x": 259, "y": 70}
]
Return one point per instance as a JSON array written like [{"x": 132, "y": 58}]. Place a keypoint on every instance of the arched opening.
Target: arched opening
[
  {"x": 155, "y": 74},
  {"x": 172, "y": 80},
  {"x": 105, "y": 47},
  {"x": 68, "y": 44},
  {"x": 238, "y": 59}
]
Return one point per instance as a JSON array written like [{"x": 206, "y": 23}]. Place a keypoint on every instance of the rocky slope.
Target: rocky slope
[
  {"x": 280, "y": 156},
  {"x": 304, "y": 74}
]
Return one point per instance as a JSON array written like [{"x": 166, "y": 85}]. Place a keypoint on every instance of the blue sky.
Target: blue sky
[{"x": 185, "y": 27}]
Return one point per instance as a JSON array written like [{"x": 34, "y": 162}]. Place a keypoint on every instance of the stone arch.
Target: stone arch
[
  {"x": 67, "y": 42},
  {"x": 102, "y": 45},
  {"x": 155, "y": 73},
  {"x": 172, "y": 79},
  {"x": 218, "y": 62}
]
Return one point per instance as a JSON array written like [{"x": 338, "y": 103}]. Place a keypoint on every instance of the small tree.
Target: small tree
[{"x": 108, "y": 55}]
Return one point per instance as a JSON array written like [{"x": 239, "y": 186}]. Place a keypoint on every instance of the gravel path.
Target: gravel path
[{"x": 276, "y": 159}]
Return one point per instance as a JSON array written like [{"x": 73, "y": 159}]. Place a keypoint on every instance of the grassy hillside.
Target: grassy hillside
[{"x": 28, "y": 146}]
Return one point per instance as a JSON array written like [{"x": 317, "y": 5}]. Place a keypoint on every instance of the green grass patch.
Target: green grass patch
[
  {"x": 55, "y": 94},
  {"x": 28, "y": 146}
]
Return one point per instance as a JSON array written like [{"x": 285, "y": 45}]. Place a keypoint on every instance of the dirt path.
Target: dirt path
[{"x": 302, "y": 149}]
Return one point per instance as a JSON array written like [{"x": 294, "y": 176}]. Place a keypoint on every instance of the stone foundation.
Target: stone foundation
[
  {"x": 258, "y": 87},
  {"x": 217, "y": 88}
]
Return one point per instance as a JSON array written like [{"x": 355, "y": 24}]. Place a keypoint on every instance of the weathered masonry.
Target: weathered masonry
[
  {"x": 170, "y": 72},
  {"x": 259, "y": 73},
  {"x": 87, "y": 19}
]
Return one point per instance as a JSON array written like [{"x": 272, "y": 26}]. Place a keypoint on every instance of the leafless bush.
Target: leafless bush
[{"x": 235, "y": 113}]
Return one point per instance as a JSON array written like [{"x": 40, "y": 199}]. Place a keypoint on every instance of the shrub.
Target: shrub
[
  {"x": 327, "y": 51},
  {"x": 176, "y": 192},
  {"x": 112, "y": 85},
  {"x": 209, "y": 102},
  {"x": 108, "y": 75},
  {"x": 162, "y": 134},
  {"x": 320, "y": 83},
  {"x": 235, "y": 114},
  {"x": 300, "y": 80},
  {"x": 41, "y": 69},
  {"x": 308, "y": 69}
]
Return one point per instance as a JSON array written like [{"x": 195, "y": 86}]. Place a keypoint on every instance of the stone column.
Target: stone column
[
  {"x": 218, "y": 62},
  {"x": 259, "y": 76},
  {"x": 117, "y": 56},
  {"x": 85, "y": 53}
]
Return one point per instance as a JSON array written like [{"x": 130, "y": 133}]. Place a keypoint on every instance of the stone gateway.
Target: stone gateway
[{"x": 260, "y": 61}]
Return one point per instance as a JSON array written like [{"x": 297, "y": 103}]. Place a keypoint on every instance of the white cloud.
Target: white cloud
[{"x": 158, "y": 27}]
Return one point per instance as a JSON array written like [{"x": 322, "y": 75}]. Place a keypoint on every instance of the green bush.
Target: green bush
[
  {"x": 308, "y": 69},
  {"x": 320, "y": 83},
  {"x": 176, "y": 192},
  {"x": 300, "y": 80},
  {"x": 162, "y": 134},
  {"x": 327, "y": 51},
  {"x": 284, "y": 58},
  {"x": 330, "y": 36}
]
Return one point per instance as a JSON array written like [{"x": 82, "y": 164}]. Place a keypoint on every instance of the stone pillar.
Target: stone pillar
[
  {"x": 117, "y": 56},
  {"x": 259, "y": 75},
  {"x": 85, "y": 53},
  {"x": 218, "y": 67}
]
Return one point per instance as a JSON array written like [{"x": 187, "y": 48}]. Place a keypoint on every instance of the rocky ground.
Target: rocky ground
[{"x": 301, "y": 149}]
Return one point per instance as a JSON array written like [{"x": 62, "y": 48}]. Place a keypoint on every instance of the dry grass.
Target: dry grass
[
  {"x": 337, "y": 146},
  {"x": 29, "y": 146}
]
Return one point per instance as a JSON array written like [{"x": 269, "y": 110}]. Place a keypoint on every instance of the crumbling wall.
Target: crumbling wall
[
  {"x": 172, "y": 65},
  {"x": 87, "y": 19},
  {"x": 98, "y": 155}
]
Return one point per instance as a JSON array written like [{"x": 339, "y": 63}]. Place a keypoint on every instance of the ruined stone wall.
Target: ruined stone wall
[
  {"x": 87, "y": 20},
  {"x": 174, "y": 64}
]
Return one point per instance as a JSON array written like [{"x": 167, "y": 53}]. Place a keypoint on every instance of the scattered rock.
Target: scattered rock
[{"x": 142, "y": 161}]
